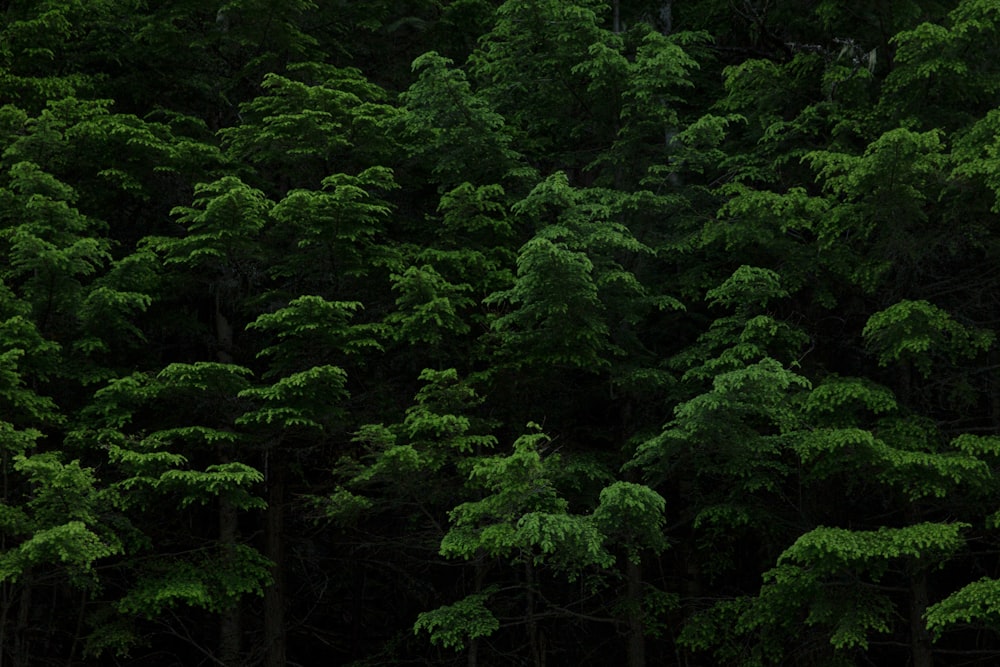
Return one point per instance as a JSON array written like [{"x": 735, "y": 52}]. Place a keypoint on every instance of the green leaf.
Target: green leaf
[
  {"x": 918, "y": 331},
  {"x": 453, "y": 625},
  {"x": 978, "y": 602}
]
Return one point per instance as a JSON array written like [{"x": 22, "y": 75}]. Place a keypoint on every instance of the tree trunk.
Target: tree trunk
[
  {"x": 477, "y": 587},
  {"x": 223, "y": 333},
  {"x": 635, "y": 649},
  {"x": 920, "y": 638},
  {"x": 667, "y": 17},
  {"x": 78, "y": 634},
  {"x": 536, "y": 642},
  {"x": 472, "y": 659},
  {"x": 230, "y": 646},
  {"x": 20, "y": 644},
  {"x": 994, "y": 389},
  {"x": 636, "y": 624},
  {"x": 274, "y": 595}
]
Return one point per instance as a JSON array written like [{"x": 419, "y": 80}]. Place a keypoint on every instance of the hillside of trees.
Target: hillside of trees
[{"x": 480, "y": 333}]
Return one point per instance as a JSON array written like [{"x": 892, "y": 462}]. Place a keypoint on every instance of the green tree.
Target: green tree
[{"x": 170, "y": 470}]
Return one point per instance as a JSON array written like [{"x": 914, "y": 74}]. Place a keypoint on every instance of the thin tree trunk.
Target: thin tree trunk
[
  {"x": 472, "y": 659},
  {"x": 20, "y": 650},
  {"x": 903, "y": 383},
  {"x": 920, "y": 639},
  {"x": 274, "y": 595},
  {"x": 636, "y": 625},
  {"x": 536, "y": 642},
  {"x": 6, "y": 600},
  {"x": 636, "y": 648},
  {"x": 477, "y": 586},
  {"x": 77, "y": 633},
  {"x": 230, "y": 631},
  {"x": 667, "y": 17},
  {"x": 6, "y": 588},
  {"x": 223, "y": 332},
  {"x": 994, "y": 386}
]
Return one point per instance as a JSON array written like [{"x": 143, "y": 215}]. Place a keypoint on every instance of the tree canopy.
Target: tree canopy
[{"x": 472, "y": 332}]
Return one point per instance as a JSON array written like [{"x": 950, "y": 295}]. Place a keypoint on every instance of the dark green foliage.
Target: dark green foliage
[{"x": 282, "y": 283}]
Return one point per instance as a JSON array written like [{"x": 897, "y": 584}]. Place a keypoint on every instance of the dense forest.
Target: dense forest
[{"x": 468, "y": 332}]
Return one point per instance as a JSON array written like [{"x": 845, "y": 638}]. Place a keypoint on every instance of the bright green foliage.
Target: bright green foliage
[
  {"x": 226, "y": 216},
  {"x": 51, "y": 250},
  {"x": 912, "y": 159},
  {"x": 335, "y": 254},
  {"x": 977, "y": 445},
  {"x": 978, "y": 602},
  {"x": 37, "y": 35},
  {"x": 25, "y": 404},
  {"x": 334, "y": 231},
  {"x": 453, "y": 625},
  {"x": 915, "y": 165},
  {"x": 71, "y": 546},
  {"x": 160, "y": 466},
  {"x": 769, "y": 226},
  {"x": 558, "y": 314},
  {"x": 902, "y": 458},
  {"x": 917, "y": 332},
  {"x": 976, "y": 156},
  {"x": 822, "y": 558},
  {"x": 828, "y": 550},
  {"x": 732, "y": 439},
  {"x": 469, "y": 255},
  {"x": 343, "y": 507},
  {"x": 455, "y": 130},
  {"x": 945, "y": 73},
  {"x": 108, "y": 313},
  {"x": 748, "y": 286},
  {"x": 914, "y": 466},
  {"x": 26, "y": 357},
  {"x": 632, "y": 515},
  {"x": 437, "y": 420},
  {"x": 311, "y": 327},
  {"x": 112, "y": 158},
  {"x": 59, "y": 524},
  {"x": 303, "y": 399},
  {"x": 317, "y": 119},
  {"x": 521, "y": 517},
  {"x": 842, "y": 401},
  {"x": 827, "y": 581},
  {"x": 205, "y": 581},
  {"x": 428, "y": 307},
  {"x": 475, "y": 221},
  {"x": 572, "y": 279},
  {"x": 438, "y": 431},
  {"x": 747, "y": 335},
  {"x": 524, "y": 517}
]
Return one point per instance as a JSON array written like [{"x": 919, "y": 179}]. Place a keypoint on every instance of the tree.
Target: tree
[
  {"x": 169, "y": 470},
  {"x": 284, "y": 282}
]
